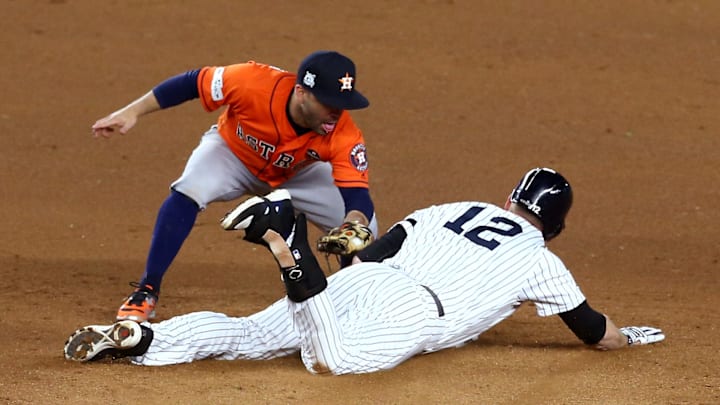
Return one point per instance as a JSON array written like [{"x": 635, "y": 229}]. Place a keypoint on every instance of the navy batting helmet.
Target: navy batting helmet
[{"x": 547, "y": 195}]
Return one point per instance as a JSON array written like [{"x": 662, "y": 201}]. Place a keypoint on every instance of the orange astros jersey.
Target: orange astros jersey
[{"x": 257, "y": 128}]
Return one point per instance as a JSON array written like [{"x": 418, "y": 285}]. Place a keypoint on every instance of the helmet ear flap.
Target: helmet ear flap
[{"x": 553, "y": 234}]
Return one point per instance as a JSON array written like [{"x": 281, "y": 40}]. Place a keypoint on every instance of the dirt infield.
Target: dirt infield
[{"x": 620, "y": 96}]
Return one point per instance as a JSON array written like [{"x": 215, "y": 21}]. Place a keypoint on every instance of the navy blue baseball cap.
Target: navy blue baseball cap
[{"x": 330, "y": 77}]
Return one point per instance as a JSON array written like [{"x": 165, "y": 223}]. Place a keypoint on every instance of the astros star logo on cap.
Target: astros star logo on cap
[{"x": 346, "y": 82}]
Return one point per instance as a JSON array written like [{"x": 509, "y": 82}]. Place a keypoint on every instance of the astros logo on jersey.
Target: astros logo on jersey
[
  {"x": 346, "y": 82},
  {"x": 358, "y": 157}
]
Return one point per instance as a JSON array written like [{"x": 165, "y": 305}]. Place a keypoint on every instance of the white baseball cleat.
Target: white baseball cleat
[{"x": 95, "y": 342}]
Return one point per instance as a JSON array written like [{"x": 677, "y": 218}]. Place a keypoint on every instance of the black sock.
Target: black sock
[
  {"x": 142, "y": 347},
  {"x": 175, "y": 220}
]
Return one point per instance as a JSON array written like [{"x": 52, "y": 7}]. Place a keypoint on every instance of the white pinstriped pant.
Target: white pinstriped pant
[{"x": 371, "y": 317}]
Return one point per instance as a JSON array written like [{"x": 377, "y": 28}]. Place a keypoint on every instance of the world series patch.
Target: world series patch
[{"x": 358, "y": 157}]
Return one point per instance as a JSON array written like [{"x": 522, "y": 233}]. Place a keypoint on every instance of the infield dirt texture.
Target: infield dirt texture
[{"x": 622, "y": 97}]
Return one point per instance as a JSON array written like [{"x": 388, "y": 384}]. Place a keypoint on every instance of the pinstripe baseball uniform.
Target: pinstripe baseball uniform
[{"x": 462, "y": 268}]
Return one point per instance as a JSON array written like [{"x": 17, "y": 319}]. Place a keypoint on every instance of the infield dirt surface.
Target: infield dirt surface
[{"x": 619, "y": 96}]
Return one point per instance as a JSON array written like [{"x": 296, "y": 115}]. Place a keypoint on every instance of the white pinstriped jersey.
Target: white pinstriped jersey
[{"x": 480, "y": 260}]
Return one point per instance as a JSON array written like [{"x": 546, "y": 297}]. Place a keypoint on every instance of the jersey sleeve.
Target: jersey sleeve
[
  {"x": 223, "y": 85},
  {"x": 553, "y": 289},
  {"x": 349, "y": 156}
]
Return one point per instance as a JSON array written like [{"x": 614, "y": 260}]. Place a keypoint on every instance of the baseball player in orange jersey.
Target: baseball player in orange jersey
[
  {"x": 436, "y": 280},
  {"x": 278, "y": 129}
]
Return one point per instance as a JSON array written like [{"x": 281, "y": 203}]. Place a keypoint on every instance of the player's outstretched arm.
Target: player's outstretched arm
[
  {"x": 125, "y": 118},
  {"x": 616, "y": 338},
  {"x": 599, "y": 331}
]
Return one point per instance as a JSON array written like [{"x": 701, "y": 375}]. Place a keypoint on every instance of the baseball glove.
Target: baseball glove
[{"x": 345, "y": 240}]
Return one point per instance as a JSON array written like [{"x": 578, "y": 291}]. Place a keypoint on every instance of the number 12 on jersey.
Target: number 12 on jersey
[{"x": 474, "y": 234}]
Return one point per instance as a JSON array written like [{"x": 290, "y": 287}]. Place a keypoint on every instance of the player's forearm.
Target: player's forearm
[
  {"x": 358, "y": 204},
  {"x": 613, "y": 338},
  {"x": 143, "y": 105}
]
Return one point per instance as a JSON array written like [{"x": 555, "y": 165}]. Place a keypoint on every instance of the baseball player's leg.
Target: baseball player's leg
[
  {"x": 314, "y": 192},
  {"x": 370, "y": 318},
  {"x": 212, "y": 173},
  {"x": 202, "y": 335}
]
